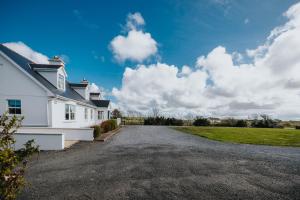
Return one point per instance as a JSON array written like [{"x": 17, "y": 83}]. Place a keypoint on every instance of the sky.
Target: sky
[{"x": 186, "y": 58}]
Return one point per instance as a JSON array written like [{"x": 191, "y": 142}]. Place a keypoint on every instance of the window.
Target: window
[
  {"x": 70, "y": 112},
  {"x": 85, "y": 113},
  {"x": 14, "y": 106},
  {"x": 100, "y": 114},
  {"x": 61, "y": 82},
  {"x": 92, "y": 114}
]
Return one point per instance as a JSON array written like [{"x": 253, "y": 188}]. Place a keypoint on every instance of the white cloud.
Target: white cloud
[
  {"x": 134, "y": 20},
  {"x": 221, "y": 86},
  {"x": 27, "y": 52},
  {"x": 136, "y": 45}
]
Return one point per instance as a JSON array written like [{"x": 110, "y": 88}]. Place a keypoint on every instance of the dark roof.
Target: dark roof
[
  {"x": 26, "y": 65},
  {"x": 78, "y": 84},
  {"x": 101, "y": 103},
  {"x": 44, "y": 66}
]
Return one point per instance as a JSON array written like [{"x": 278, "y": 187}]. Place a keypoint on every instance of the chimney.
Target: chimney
[
  {"x": 56, "y": 60},
  {"x": 84, "y": 81}
]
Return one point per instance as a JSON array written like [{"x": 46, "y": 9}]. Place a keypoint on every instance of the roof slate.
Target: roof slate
[
  {"x": 101, "y": 103},
  {"x": 27, "y": 65}
]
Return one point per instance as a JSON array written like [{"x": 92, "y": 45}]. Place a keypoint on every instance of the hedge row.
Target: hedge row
[
  {"x": 104, "y": 127},
  {"x": 163, "y": 121}
]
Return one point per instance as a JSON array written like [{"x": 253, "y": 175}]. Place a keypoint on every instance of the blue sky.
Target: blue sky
[{"x": 183, "y": 31}]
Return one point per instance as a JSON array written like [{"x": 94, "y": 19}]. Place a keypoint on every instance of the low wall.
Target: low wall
[
  {"x": 49, "y": 141},
  {"x": 51, "y": 138},
  {"x": 82, "y": 134}
]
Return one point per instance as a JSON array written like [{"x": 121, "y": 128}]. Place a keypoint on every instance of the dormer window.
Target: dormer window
[{"x": 61, "y": 82}]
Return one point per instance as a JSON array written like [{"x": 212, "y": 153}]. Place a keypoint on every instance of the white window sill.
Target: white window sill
[{"x": 69, "y": 121}]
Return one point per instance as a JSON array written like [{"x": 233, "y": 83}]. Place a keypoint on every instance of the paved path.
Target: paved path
[{"x": 148, "y": 162}]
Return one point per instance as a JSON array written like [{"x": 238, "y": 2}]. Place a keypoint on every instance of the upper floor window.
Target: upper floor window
[
  {"x": 100, "y": 115},
  {"x": 14, "y": 106},
  {"x": 61, "y": 82},
  {"x": 70, "y": 111}
]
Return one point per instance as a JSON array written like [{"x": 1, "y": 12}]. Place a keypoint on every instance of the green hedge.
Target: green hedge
[
  {"x": 109, "y": 125},
  {"x": 97, "y": 131}
]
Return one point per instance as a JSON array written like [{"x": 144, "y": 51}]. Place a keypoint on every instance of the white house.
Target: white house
[{"x": 49, "y": 103}]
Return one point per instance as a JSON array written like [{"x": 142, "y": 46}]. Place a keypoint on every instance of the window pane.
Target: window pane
[
  {"x": 67, "y": 108},
  {"x": 18, "y": 103},
  {"x": 11, "y": 103},
  {"x": 18, "y": 111},
  {"x": 72, "y": 109},
  {"x": 12, "y": 111}
]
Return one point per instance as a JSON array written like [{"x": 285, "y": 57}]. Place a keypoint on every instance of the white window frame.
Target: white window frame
[
  {"x": 61, "y": 82},
  {"x": 15, "y": 107},
  {"x": 92, "y": 113},
  {"x": 100, "y": 114},
  {"x": 86, "y": 113},
  {"x": 70, "y": 114}
]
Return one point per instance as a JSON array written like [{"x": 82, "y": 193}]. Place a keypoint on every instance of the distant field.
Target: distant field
[
  {"x": 262, "y": 136},
  {"x": 133, "y": 121}
]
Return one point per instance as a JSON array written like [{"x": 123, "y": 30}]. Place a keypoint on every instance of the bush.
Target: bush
[
  {"x": 241, "y": 123},
  {"x": 109, "y": 125},
  {"x": 162, "y": 121},
  {"x": 12, "y": 162},
  {"x": 201, "y": 121},
  {"x": 297, "y": 127},
  {"x": 97, "y": 131}
]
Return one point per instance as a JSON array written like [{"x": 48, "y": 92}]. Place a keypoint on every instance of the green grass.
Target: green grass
[{"x": 261, "y": 136}]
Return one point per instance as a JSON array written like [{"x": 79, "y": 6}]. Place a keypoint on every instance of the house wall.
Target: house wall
[
  {"x": 15, "y": 84},
  {"x": 58, "y": 120}
]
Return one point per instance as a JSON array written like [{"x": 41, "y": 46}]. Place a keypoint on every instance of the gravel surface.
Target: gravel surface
[{"x": 149, "y": 162}]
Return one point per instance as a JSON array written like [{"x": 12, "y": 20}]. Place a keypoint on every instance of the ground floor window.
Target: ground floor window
[
  {"x": 100, "y": 114},
  {"x": 85, "y": 113},
  {"x": 14, "y": 106},
  {"x": 70, "y": 112}
]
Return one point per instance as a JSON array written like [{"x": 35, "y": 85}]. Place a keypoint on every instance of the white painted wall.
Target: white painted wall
[
  {"x": 79, "y": 134},
  {"x": 14, "y": 84},
  {"x": 58, "y": 120},
  {"x": 50, "y": 141}
]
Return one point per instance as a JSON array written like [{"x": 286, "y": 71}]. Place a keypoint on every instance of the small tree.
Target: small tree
[
  {"x": 116, "y": 114},
  {"x": 201, "y": 121},
  {"x": 12, "y": 162}
]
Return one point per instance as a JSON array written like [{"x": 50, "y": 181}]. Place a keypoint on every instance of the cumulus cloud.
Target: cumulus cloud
[
  {"x": 218, "y": 85},
  {"x": 134, "y": 20},
  {"x": 27, "y": 52},
  {"x": 136, "y": 45}
]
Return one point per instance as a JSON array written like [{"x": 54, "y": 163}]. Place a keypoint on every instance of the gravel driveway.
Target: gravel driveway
[{"x": 149, "y": 162}]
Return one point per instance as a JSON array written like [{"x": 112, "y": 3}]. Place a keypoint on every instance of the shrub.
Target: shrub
[
  {"x": 12, "y": 162},
  {"x": 241, "y": 123},
  {"x": 201, "y": 121},
  {"x": 97, "y": 131},
  {"x": 109, "y": 125},
  {"x": 163, "y": 121},
  {"x": 297, "y": 127}
]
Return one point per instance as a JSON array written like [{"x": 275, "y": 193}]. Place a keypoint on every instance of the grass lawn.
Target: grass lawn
[{"x": 263, "y": 136}]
